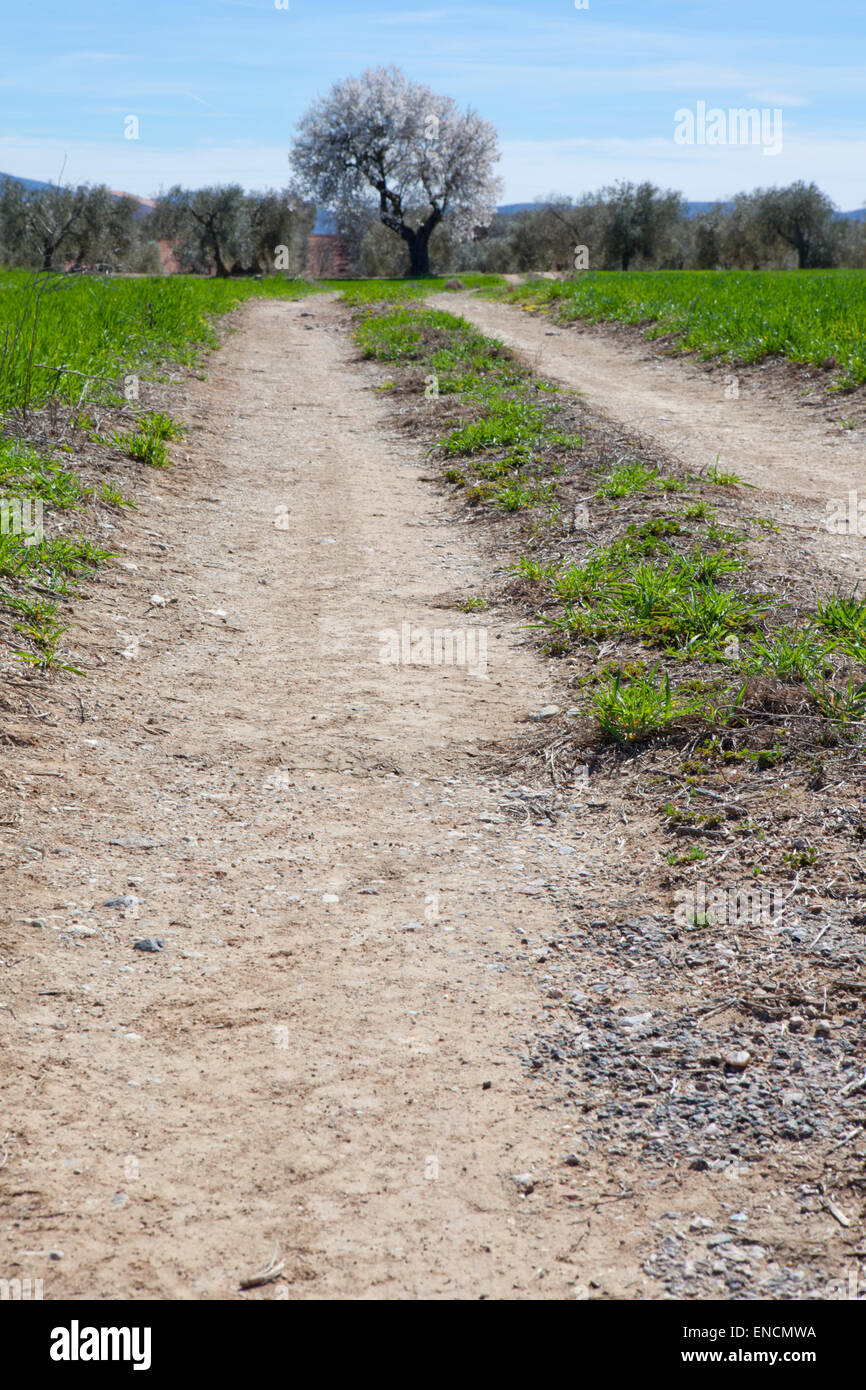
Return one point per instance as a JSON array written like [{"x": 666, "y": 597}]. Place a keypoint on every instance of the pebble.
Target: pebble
[
  {"x": 545, "y": 712},
  {"x": 636, "y": 1020},
  {"x": 150, "y": 943},
  {"x": 737, "y": 1061},
  {"x": 524, "y": 1182}
]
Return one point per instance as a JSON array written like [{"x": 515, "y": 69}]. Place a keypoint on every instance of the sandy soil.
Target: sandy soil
[{"x": 325, "y": 1056}]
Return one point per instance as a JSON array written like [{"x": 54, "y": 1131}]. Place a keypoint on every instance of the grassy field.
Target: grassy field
[
  {"x": 813, "y": 316},
  {"x": 58, "y": 332}
]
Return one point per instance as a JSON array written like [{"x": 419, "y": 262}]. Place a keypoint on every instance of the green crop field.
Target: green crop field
[
  {"x": 58, "y": 332},
  {"x": 812, "y": 316}
]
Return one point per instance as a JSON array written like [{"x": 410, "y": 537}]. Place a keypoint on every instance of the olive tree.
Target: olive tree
[
  {"x": 280, "y": 223},
  {"x": 802, "y": 217},
  {"x": 54, "y": 225},
  {"x": 209, "y": 227},
  {"x": 42, "y": 225},
  {"x": 639, "y": 222},
  {"x": 383, "y": 139}
]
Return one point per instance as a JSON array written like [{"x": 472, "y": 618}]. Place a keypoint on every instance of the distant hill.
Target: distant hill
[
  {"x": 145, "y": 205},
  {"x": 692, "y": 209},
  {"x": 28, "y": 183}
]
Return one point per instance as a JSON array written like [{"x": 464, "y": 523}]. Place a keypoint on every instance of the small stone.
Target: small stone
[
  {"x": 572, "y": 1160},
  {"x": 545, "y": 712},
  {"x": 485, "y": 1085},
  {"x": 736, "y": 1253},
  {"x": 635, "y": 1020},
  {"x": 330, "y": 898},
  {"x": 701, "y": 1223},
  {"x": 150, "y": 943},
  {"x": 737, "y": 1061},
  {"x": 796, "y": 1023},
  {"x": 699, "y": 1165},
  {"x": 723, "y": 1238},
  {"x": 524, "y": 1182},
  {"x": 822, "y": 1030},
  {"x": 129, "y": 901},
  {"x": 411, "y": 926},
  {"x": 55, "y": 1254}
]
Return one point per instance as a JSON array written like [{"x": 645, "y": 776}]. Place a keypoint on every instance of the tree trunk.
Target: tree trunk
[{"x": 419, "y": 252}]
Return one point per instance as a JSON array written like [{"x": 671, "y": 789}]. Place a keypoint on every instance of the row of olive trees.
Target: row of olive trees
[
  {"x": 628, "y": 226},
  {"x": 52, "y": 227},
  {"x": 218, "y": 230},
  {"x": 224, "y": 231}
]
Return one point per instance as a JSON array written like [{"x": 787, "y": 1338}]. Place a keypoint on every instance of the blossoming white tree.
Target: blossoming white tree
[{"x": 383, "y": 136}]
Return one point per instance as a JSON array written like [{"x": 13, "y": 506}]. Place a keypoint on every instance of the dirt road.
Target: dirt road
[
  {"x": 323, "y": 1057},
  {"x": 330, "y": 1056}
]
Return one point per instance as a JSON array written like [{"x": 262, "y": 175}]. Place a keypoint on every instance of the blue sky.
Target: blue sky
[{"x": 579, "y": 96}]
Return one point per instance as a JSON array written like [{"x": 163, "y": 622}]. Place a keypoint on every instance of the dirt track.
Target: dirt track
[
  {"x": 290, "y": 1070},
  {"x": 355, "y": 932},
  {"x": 798, "y": 461}
]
